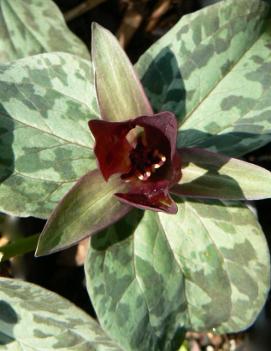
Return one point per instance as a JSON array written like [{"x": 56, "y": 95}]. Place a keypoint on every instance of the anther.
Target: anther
[
  {"x": 157, "y": 165},
  {"x": 159, "y": 155},
  {"x": 144, "y": 176},
  {"x": 163, "y": 158}
]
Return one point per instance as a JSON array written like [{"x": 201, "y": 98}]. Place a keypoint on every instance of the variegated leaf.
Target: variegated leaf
[
  {"x": 32, "y": 318},
  {"x": 205, "y": 268},
  {"x": 45, "y": 144},
  {"x": 33, "y": 27},
  {"x": 211, "y": 70}
]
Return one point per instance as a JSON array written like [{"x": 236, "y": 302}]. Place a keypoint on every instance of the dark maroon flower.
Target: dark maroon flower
[{"x": 143, "y": 152}]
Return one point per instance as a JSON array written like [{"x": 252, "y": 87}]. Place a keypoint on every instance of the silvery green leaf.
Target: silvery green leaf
[
  {"x": 154, "y": 276},
  {"x": 211, "y": 70},
  {"x": 33, "y": 27},
  {"x": 45, "y": 103},
  {"x": 35, "y": 319}
]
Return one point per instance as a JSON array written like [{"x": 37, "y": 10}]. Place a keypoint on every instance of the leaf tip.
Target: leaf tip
[
  {"x": 44, "y": 246},
  {"x": 39, "y": 251}
]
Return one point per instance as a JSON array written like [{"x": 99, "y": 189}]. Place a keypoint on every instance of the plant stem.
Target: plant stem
[{"x": 18, "y": 247}]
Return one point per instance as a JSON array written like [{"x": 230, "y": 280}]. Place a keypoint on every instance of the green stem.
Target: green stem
[{"x": 19, "y": 247}]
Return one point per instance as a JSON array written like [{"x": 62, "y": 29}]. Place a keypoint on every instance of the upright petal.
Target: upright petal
[
  {"x": 120, "y": 93},
  {"x": 111, "y": 148},
  {"x": 160, "y": 128}
]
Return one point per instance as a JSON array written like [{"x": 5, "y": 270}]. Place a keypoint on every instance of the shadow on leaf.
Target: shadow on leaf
[
  {"x": 120, "y": 231},
  {"x": 9, "y": 317},
  {"x": 6, "y": 141}
]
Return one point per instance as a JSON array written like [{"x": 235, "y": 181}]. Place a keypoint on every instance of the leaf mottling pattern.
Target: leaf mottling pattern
[
  {"x": 36, "y": 319},
  {"x": 152, "y": 280},
  {"x": 33, "y": 27},
  {"x": 46, "y": 102},
  {"x": 211, "y": 71}
]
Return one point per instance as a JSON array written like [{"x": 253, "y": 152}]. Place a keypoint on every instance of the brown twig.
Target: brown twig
[
  {"x": 129, "y": 25},
  {"x": 160, "y": 9},
  {"x": 81, "y": 9}
]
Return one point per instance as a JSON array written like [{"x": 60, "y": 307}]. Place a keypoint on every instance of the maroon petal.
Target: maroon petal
[
  {"x": 148, "y": 163},
  {"x": 112, "y": 148},
  {"x": 160, "y": 131},
  {"x": 176, "y": 169},
  {"x": 159, "y": 201}
]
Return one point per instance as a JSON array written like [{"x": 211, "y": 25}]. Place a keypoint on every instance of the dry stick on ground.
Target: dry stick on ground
[
  {"x": 81, "y": 9},
  {"x": 130, "y": 24},
  {"x": 160, "y": 9}
]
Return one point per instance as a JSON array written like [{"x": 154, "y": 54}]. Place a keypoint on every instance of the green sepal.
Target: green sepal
[
  {"x": 210, "y": 175},
  {"x": 119, "y": 91},
  {"x": 88, "y": 207}
]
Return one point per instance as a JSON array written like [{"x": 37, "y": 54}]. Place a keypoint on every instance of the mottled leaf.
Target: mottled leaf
[
  {"x": 33, "y": 27},
  {"x": 119, "y": 91},
  {"x": 211, "y": 70},
  {"x": 36, "y": 319},
  {"x": 45, "y": 144},
  {"x": 207, "y": 267},
  {"x": 211, "y": 175},
  {"x": 86, "y": 209}
]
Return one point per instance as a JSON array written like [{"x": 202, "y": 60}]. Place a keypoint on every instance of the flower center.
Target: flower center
[{"x": 145, "y": 161}]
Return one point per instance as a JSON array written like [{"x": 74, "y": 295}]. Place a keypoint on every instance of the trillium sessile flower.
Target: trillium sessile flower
[
  {"x": 147, "y": 161},
  {"x": 138, "y": 163}
]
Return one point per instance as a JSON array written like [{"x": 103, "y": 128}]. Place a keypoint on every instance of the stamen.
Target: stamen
[
  {"x": 156, "y": 153},
  {"x": 163, "y": 158},
  {"x": 144, "y": 176},
  {"x": 157, "y": 165},
  {"x": 144, "y": 160}
]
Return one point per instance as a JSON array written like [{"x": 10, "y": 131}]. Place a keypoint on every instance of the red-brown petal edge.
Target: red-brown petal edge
[{"x": 160, "y": 201}]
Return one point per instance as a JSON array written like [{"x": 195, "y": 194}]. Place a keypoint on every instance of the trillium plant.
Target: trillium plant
[{"x": 146, "y": 161}]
